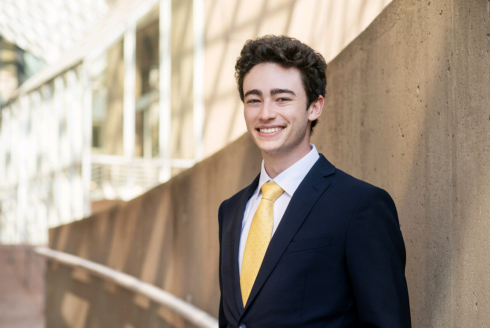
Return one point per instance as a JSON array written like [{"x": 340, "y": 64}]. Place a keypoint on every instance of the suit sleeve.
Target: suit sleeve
[
  {"x": 223, "y": 323},
  {"x": 375, "y": 255}
]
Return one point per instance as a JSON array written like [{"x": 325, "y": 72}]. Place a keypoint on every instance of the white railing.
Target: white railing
[
  {"x": 188, "y": 311},
  {"x": 120, "y": 177}
]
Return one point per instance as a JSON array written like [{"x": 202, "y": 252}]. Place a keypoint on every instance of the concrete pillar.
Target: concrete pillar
[
  {"x": 22, "y": 168},
  {"x": 87, "y": 137},
  {"x": 59, "y": 159},
  {"x": 165, "y": 72},
  {"x": 129, "y": 100},
  {"x": 198, "y": 78}
]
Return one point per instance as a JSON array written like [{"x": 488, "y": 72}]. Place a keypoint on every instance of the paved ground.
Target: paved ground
[{"x": 21, "y": 305}]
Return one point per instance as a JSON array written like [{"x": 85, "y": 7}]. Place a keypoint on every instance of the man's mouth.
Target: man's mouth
[{"x": 271, "y": 130}]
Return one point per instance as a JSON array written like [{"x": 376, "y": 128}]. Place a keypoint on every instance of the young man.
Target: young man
[{"x": 305, "y": 245}]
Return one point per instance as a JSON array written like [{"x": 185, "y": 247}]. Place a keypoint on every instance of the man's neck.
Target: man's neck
[{"x": 275, "y": 164}]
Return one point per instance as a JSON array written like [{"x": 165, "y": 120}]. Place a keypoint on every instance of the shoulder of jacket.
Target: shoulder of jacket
[
  {"x": 235, "y": 198},
  {"x": 358, "y": 186}
]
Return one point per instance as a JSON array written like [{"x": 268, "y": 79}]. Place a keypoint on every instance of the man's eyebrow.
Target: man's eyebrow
[
  {"x": 276, "y": 91},
  {"x": 253, "y": 92}
]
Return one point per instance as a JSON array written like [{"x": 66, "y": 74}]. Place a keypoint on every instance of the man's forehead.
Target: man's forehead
[{"x": 270, "y": 77}]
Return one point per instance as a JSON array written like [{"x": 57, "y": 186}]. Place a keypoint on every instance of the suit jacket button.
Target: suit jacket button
[{"x": 242, "y": 326}]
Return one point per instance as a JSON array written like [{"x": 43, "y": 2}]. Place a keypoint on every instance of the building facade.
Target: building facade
[{"x": 147, "y": 93}]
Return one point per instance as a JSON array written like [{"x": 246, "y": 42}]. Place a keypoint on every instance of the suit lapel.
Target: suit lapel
[
  {"x": 308, "y": 192},
  {"x": 237, "y": 231}
]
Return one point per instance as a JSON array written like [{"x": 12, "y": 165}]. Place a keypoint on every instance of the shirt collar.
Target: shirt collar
[{"x": 290, "y": 178}]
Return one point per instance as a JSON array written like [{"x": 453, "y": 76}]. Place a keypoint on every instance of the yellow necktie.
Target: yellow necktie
[{"x": 258, "y": 238}]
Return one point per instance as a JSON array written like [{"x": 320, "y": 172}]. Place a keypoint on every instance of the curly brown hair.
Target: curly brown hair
[{"x": 287, "y": 52}]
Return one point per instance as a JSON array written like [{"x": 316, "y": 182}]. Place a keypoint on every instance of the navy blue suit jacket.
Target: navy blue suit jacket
[{"x": 337, "y": 259}]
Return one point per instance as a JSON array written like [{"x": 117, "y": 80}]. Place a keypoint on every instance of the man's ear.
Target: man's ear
[{"x": 316, "y": 108}]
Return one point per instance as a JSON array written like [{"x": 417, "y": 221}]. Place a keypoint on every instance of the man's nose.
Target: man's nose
[{"x": 267, "y": 112}]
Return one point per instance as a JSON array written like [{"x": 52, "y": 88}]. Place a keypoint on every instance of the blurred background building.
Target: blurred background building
[
  {"x": 102, "y": 100},
  {"x": 33, "y": 35}
]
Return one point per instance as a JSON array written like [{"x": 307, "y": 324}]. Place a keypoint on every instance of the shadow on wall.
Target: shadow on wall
[
  {"x": 326, "y": 25},
  {"x": 231, "y": 43},
  {"x": 407, "y": 109},
  {"x": 182, "y": 49}
]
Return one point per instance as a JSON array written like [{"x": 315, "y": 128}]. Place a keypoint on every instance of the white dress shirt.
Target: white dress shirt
[{"x": 289, "y": 181}]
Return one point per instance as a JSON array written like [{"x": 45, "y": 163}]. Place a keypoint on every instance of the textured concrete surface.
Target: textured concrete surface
[
  {"x": 21, "y": 288},
  {"x": 407, "y": 110}
]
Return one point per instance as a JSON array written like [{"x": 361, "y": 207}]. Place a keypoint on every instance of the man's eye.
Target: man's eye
[
  {"x": 283, "y": 99},
  {"x": 251, "y": 101}
]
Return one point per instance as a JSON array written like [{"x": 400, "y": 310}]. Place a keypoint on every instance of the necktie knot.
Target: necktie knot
[{"x": 271, "y": 191}]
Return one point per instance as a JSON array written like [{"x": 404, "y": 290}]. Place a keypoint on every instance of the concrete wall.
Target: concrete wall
[
  {"x": 407, "y": 109},
  {"x": 182, "y": 52},
  {"x": 167, "y": 237}
]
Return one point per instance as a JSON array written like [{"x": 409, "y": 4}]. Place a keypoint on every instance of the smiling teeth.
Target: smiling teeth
[{"x": 270, "y": 130}]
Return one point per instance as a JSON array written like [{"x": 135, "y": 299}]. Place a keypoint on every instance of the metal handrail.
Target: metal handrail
[{"x": 188, "y": 311}]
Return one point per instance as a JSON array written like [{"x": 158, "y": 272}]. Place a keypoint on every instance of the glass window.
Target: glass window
[
  {"x": 107, "y": 101},
  {"x": 147, "y": 90}
]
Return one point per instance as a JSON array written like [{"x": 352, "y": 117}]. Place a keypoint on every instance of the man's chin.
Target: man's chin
[{"x": 271, "y": 151}]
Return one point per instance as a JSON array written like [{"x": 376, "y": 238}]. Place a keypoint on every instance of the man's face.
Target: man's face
[{"x": 275, "y": 109}]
